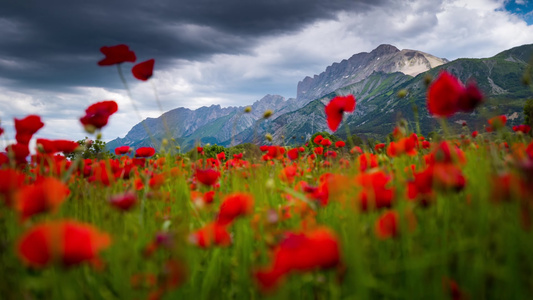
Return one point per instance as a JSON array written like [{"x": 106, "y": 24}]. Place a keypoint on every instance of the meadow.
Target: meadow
[{"x": 411, "y": 218}]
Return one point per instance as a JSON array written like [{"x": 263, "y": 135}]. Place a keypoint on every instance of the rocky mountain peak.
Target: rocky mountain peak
[
  {"x": 385, "y": 58},
  {"x": 384, "y": 49}
]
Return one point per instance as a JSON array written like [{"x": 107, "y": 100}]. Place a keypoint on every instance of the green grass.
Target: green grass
[{"x": 464, "y": 236}]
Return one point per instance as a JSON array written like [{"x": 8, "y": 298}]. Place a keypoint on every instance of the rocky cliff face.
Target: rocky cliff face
[{"x": 385, "y": 58}]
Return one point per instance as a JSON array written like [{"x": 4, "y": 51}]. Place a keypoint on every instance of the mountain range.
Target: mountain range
[{"x": 373, "y": 78}]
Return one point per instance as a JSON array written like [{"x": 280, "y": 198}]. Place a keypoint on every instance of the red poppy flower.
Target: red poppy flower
[
  {"x": 293, "y": 154},
  {"x": 318, "y": 139},
  {"x": 275, "y": 152},
  {"x": 65, "y": 146},
  {"x": 367, "y": 161},
  {"x": 326, "y": 142},
  {"x": 97, "y": 114},
  {"x": 53, "y": 146},
  {"x": 157, "y": 180},
  {"x": 356, "y": 149},
  {"x": 446, "y": 153},
  {"x": 470, "y": 98},
  {"x": 497, "y": 122},
  {"x": 335, "y": 109},
  {"x": 4, "y": 160},
  {"x": 116, "y": 55},
  {"x": 10, "y": 182},
  {"x": 444, "y": 95},
  {"x": 330, "y": 153},
  {"x": 42, "y": 196},
  {"x": 81, "y": 242},
  {"x": 233, "y": 206},
  {"x": 67, "y": 242},
  {"x": 421, "y": 188},
  {"x": 318, "y": 249},
  {"x": 387, "y": 225},
  {"x": 379, "y": 146},
  {"x": 145, "y": 152},
  {"x": 222, "y": 156},
  {"x": 448, "y": 177},
  {"x": 522, "y": 128},
  {"x": 209, "y": 235},
  {"x": 123, "y": 201},
  {"x": 503, "y": 187},
  {"x": 143, "y": 71},
  {"x": 405, "y": 145},
  {"x": 375, "y": 193},
  {"x": 319, "y": 150},
  {"x": 340, "y": 144},
  {"x": 474, "y": 134},
  {"x": 122, "y": 150},
  {"x": 200, "y": 198},
  {"x": 102, "y": 174},
  {"x": 207, "y": 176},
  {"x": 27, "y": 127},
  {"x": 20, "y": 152},
  {"x": 289, "y": 173}
]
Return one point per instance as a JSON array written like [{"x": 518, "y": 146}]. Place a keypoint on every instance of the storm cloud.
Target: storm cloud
[{"x": 54, "y": 44}]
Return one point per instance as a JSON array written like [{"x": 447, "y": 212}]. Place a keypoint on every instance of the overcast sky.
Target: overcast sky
[{"x": 227, "y": 52}]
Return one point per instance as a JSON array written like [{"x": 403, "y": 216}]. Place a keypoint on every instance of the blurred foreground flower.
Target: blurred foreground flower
[
  {"x": 122, "y": 150},
  {"x": 97, "y": 115},
  {"x": 26, "y": 128},
  {"x": 447, "y": 95},
  {"x": 317, "y": 249},
  {"x": 145, "y": 152},
  {"x": 143, "y": 71},
  {"x": 207, "y": 176},
  {"x": 116, "y": 55},
  {"x": 123, "y": 201},
  {"x": 67, "y": 243},
  {"x": 335, "y": 109},
  {"x": 233, "y": 206},
  {"x": 45, "y": 195}
]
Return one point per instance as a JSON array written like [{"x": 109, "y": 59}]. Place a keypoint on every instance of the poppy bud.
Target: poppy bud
[
  {"x": 402, "y": 93},
  {"x": 267, "y": 114}
]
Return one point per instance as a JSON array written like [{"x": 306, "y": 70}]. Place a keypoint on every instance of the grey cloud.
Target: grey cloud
[{"x": 59, "y": 40}]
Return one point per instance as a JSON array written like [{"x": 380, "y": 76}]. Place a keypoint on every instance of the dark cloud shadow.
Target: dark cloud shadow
[{"x": 55, "y": 44}]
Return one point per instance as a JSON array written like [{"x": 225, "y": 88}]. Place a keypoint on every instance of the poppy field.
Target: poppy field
[{"x": 411, "y": 218}]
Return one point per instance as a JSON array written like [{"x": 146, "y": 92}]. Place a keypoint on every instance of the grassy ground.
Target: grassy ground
[{"x": 470, "y": 242}]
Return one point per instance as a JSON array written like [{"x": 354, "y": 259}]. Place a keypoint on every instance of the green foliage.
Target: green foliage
[
  {"x": 355, "y": 140},
  {"x": 528, "y": 112},
  {"x": 433, "y": 136},
  {"x": 92, "y": 149},
  {"x": 250, "y": 151},
  {"x": 211, "y": 151},
  {"x": 371, "y": 142}
]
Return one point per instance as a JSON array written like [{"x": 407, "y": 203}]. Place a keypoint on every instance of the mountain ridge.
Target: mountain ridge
[
  {"x": 385, "y": 58},
  {"x": 377, "y": 104}
]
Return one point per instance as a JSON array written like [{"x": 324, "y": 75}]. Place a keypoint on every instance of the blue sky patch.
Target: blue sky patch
[{"x": 522, "y": 8}]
